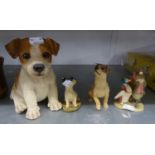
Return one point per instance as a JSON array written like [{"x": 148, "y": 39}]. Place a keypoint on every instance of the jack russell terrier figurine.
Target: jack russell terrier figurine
[
  {"x": 36, "y": 80},
  {"x": 72, "y": 102},
  {"x": 100, "y": 87}
]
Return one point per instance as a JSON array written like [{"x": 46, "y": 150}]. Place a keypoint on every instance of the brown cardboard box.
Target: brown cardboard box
[{"x": 147, "y": 62}]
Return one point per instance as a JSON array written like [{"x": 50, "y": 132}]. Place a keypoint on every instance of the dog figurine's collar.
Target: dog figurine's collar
[{"x": 36, "y": 40}]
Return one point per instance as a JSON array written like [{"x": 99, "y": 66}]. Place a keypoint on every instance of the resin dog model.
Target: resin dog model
[
  {"x": 71, "y": 97},
  {"x": 36, "y": 80},
  {"x": 70, "y": 94},
  {"x": 100, "y": 87}
]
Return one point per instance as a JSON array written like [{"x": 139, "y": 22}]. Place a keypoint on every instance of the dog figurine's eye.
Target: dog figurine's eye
[
  {"x": 46, "y": 55},
  {"x": 26, "y": 56}
]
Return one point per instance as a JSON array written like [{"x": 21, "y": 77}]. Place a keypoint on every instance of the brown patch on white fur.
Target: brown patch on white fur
[
  {"x": 18, "y": 46},
  {"x": 43, "y": 49},
  {"x": 51, "y": 45}
]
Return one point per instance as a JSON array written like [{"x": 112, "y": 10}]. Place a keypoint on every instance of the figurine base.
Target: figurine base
[
  {"x": 139, "y": 107},
  {"x": 71, "y": 108}
]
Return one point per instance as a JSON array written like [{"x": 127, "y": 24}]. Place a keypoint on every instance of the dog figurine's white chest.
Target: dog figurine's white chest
[
  {"x": 41, "y": 89},
  {"x": 70, "y": 94}
]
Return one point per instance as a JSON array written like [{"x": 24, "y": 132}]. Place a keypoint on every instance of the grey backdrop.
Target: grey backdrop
[{"x": 88, "y": 47}]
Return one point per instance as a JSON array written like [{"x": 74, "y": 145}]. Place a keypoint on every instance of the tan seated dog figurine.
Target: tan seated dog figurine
[
  {"x": 100, "y": 87},
  {"x": 36, "y": 80}
]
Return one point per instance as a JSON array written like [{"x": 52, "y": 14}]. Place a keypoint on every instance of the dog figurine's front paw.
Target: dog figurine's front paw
[
  {"x": 33, "y": 113},
  {"x": 75, "y": 105},
  {"x": 105, "y": 106},
  {"x": 20, "y": 108},
  {"x": 55, "y": 106},
  {"x": 98, "y": 106}
]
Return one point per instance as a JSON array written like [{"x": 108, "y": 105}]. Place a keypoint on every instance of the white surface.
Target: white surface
[
  {"x": 88, "y": 47},
  {"x": 129, "y": 107}
]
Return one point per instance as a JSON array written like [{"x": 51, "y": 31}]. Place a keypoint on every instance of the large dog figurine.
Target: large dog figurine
[{"x": 36, "y": 80}]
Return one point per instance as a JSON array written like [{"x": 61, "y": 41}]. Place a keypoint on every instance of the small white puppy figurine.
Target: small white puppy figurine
[
  {"x": 36, "y": 80},
  {"x": 70, "y": 94}
]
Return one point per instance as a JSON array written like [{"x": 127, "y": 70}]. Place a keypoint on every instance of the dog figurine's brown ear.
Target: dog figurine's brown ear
[
  {"x": 13, "y": 47},
  {"x": 52, "y": 45}
]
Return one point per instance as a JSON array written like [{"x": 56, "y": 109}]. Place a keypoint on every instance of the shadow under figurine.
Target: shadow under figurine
[
  {"x": 3, "y": 85},
  {"x": 129, "y": 98},
  {"x": 100, "y": 87},
  {"x": 72, "y": 101}
]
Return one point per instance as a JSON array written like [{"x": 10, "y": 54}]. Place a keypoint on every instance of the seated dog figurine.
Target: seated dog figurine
[
  {"x": 71, "y": 98},
  {"x": 100, "y": 87},
  {"x": 35, "y": 81}
]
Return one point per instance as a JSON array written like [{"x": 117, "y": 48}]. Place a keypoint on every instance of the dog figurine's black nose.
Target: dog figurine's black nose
[{"x": 38, "y": 68}]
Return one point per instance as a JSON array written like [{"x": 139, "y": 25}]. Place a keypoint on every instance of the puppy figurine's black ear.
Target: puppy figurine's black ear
[
  {"x": 52, "y": 46},
  {"x": 71, "y": 78},
  {"x": 13, "y": 48},
  {"x": 63, "y": 79}
]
